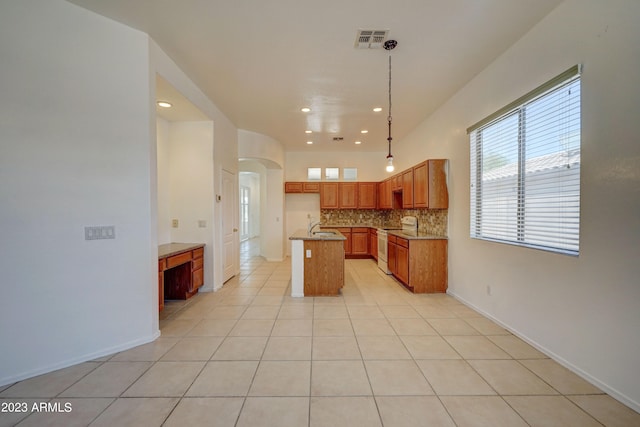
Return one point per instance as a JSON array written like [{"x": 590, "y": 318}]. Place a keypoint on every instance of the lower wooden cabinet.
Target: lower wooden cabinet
[
  {"x": 419, "y": 264},
  {"x": 359, "y": 241},
  {"x": 373, "y": 243}
]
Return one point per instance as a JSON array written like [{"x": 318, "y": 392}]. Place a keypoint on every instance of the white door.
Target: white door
[{"x": 229, "y": 224}]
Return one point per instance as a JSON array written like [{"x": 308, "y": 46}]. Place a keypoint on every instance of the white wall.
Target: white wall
[
  {"x": 77, "y": 149},
  {"x": 583, "y": 311},
  {"x": 188, "y": 174},
  {"x": 298, "y": 207},
  {"x": 225, "y": 149},
  {"x": 273, "y": 221},
  {"x": 164, "y": 181},
  {"x": 371, "y": 165}
]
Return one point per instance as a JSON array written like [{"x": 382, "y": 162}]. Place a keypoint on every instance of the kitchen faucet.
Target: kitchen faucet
[{"x": 312, "y": 225}]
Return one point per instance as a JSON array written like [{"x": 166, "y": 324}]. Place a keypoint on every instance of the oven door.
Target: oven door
[
  {"x": 382, "y": 251},
  {"x": 382, "y": 245}
]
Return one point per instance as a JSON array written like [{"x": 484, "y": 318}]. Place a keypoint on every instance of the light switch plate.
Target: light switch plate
[{"x": 100, "y": 232}]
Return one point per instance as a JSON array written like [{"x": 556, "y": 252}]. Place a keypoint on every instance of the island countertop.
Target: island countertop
[{"x": 303, "y": 234}]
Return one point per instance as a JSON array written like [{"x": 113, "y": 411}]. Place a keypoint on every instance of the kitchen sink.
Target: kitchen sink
[{"x": 324, "y": 233}]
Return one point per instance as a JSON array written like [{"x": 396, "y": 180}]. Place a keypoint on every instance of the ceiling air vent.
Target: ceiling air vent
[
  {"x": 338, "y": 138},
  {"x": 370, "y": 39}
]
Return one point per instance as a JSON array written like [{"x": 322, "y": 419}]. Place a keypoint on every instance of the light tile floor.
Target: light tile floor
[{"x": 250, "y": 355}]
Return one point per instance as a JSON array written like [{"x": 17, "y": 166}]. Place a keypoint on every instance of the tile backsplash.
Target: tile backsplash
[{"x": 432, "y": 221}]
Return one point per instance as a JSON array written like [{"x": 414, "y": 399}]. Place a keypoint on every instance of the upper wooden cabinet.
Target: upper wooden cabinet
[
  {"x": 430, "y": 185},
  {"x": 407, "y": 189},
  {"x": 329, "y": 195},
  {"x": 301, "y": 187},
  {"x": 367, "y": 195},
  {"x": 438, "y": 192},
  {"x": 348, "y": 195},
  {"x": 384, "y": 194}
]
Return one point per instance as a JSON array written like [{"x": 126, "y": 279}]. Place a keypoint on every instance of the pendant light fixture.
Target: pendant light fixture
[{"x": 389, "y": 45}]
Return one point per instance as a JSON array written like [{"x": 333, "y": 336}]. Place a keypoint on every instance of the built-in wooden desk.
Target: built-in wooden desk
[{"x": 180, "y": 270}]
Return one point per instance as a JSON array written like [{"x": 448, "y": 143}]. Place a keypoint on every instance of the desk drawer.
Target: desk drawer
[
  {"x": 178, "y": 259},
  {"x": 198, "y": 278},
  {"x": 197, "y": 263},
  {"x": 198, "y": 253}
]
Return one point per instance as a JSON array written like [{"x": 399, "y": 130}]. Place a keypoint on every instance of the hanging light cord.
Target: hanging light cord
[{"x": 389, "y": 116}]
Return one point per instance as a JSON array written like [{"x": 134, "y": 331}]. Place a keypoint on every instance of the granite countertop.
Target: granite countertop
[
  {"x": 169, "y": 249},
  {"x": 416, "y": 236},
  {"x": 359, "y": 225},
  {"x": 303, "y": 234}
]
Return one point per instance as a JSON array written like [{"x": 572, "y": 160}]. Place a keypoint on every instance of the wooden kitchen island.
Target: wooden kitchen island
[
  {"x": 317, "y": 263},
  {"x": 180, "y": 270}
]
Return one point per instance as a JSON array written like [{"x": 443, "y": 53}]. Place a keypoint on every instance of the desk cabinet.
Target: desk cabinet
[{"x": 180, "y": 271}]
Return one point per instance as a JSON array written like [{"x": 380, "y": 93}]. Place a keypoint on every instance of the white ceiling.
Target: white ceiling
[{"x": 260, "y": 61}]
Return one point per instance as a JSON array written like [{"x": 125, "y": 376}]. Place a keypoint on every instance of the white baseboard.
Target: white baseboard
[
  {"x": 621, "y": 397},
  {"x": 80, "y": 359}
]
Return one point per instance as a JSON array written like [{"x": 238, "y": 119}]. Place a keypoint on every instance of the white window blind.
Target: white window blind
[{"x": 525, "y": 169}]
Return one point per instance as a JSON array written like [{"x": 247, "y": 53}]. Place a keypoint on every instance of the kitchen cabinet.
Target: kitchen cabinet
[
  {"x": 407, "y": 189},
  {"x": 402, "y": 260},
  {"x": 430, "y": 185},
  {"x": 317, "y": 263},
  {"x": 396, "y": 182},
  {"x": 419, "y": 264},
  {"x": 301, "y": 187},
  {"x": 348, "y": 195},
  {"x": 384, "y": 193},
  {"x": 367, "y": 195},
  {"x": 360, "y": 241},
  {"x": 373, "y": 243},
  {"x": 346, "y": 232},
  {"x": 324, "y": 269},
  {"x": 392, "y": 254},
  {"x": 329, "y": 195}
]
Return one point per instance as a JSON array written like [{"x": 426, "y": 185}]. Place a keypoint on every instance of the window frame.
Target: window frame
[{"x": 475, "y": 132}]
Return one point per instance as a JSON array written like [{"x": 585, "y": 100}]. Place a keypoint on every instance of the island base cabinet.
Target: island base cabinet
[{"x": 323, "y": 267}]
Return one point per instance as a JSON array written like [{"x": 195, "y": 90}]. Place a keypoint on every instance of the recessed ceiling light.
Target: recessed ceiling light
[
  {"x": 309, "y": 142},
  {"x": 364, "y": 131},
  {"x": 358, "y": 142},
  {"x": 308, "y": 131},
  {"x": 377, "y": 109},
  {"x": 305, "y": 109},
  {"x": 164, "y": 104}
]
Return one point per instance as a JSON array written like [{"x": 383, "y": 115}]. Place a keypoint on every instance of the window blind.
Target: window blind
[{"x": 525, "y": 170}]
